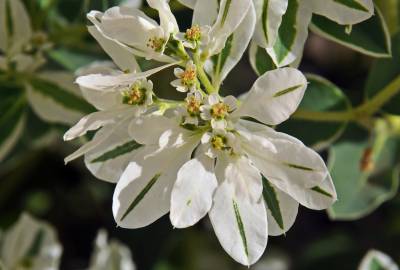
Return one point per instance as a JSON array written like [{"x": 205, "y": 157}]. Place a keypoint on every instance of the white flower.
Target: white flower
[
  {"x": 194, "y": 36},
  {"x": 187, "y": 78},
  {"x": 30, "y": 244},
  {"x": 190, "y": 111},
  {"x": 110, "y": 254},
  {"x": 232, "y": 173},
  {"x": 217, "y": 110},
  {"x": 135, "y": 31}
]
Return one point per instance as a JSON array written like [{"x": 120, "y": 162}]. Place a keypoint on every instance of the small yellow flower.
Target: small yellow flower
[{"x": 193, "y": 33}]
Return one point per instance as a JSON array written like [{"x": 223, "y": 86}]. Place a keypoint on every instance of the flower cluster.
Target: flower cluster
[{"x": 206, "y": 154}]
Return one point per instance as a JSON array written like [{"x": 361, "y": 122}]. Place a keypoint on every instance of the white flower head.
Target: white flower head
[
  {"x": 190, "y": 111},
  {"x": 139, "y": 93},
  {"x": 218, "y": 110},
  {"x": 187, "y": 79},
  {"x": 218, "y": 142},
  {"x": 195, "y": 36}
]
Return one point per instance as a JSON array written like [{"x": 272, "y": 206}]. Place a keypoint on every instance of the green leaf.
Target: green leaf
[
  {"x": 365, "y": 174},
  {"x": 260, "y": 60},
  {"x": 320, "y": 96},
  {"x": 370, "y": 37},
  {"x": 271, "y": 199},
  {"x": 12, "y": 119},
  {"x": 382, "y": 73}
]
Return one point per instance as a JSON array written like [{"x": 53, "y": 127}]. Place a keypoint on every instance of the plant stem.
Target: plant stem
[
  {"x": 202, "y": 75},
  {"x": 364, "y": 110}
]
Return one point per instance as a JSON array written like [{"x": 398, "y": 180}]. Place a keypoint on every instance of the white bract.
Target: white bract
[
  {"x": 30, "y": 245},
  {"x": 207, "y": 154},
  {"x": 246, "y": 176},
  {"x": 110, "y": 254},
  {"x": 376, "y": 259},
  {"x": 294, "y": 16}
]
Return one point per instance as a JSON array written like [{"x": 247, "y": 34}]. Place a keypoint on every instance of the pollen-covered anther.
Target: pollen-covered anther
[
  {"x": 219, "y": 142},
  {"x": 135, "y": 95},
  {"x": 219, "y": 110},
  {"x": 193, "y": 33},
  {"x": 156, "y": 43},
  {"x": 188, "y": 77},
  {"x": 193, "y": 106}
]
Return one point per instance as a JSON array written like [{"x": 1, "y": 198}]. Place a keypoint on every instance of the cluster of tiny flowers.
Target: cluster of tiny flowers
[{"x": 205, "y": 154}]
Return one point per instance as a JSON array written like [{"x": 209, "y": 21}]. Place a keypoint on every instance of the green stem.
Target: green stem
[
  {"x": 364, "y": 110},
  {"x": 202, "y": 75}
]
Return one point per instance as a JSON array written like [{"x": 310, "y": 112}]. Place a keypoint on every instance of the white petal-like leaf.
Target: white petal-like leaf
[
  {"x": 269, "y": 14},
  {"x": 377, "y": 260},
  {"x": 344, "y": 12},
  {"x": 240, "y": 225},
  {"x": 274, "y": 96},
  {"x": 292, "y": 34},
  {"x": 193, "y": 192}
]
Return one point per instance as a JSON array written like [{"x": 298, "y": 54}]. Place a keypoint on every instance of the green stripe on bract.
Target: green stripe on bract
[
  {"x": 271, "y": 199},
  {"x": 61, "y": 96},
  {"x": 263, "y": 61},
  {"x": 220, "y": 59},
  {"x": 287, "y": 90},
  {"x": 12, "y": 110},
  {"x": 37, "y": 243},
  {"x": 300, "y": 167},
  {"x": 226, "y": 11},
  {"x": 141, "y": 195},
  {"x": 352, "y": 4},
  {"x": 376, "y": 265},
  {"x": 118, "y": 151},
  {"x": 240, "y": 227},
  {"x": 287, "y": 31},
  {"x": 264, "y": 18},
  {"x": 321, "y": 191}
]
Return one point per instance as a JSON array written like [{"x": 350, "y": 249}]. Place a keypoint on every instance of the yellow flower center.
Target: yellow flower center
[
  {"x": 156, "y": 43},
  {"x": 193, "y": 33},
  {"x": 193, "y": 106},
  {"x": 219, "y": 110},
  {"x": 188, "y": 77},
  {"x": 218, "y": 142},
  {"x": 134, "y": 96}
]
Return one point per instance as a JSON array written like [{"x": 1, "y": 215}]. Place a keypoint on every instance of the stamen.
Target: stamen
[
  {"x": 219, "y": 142},
  {"x": 156, "y": 43},
  {"x": 135, "y": 95},
  {"x": 193, "y": 106},
  {"x": 189, "y": 76},
  {"x": 219, "y": 110}
]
